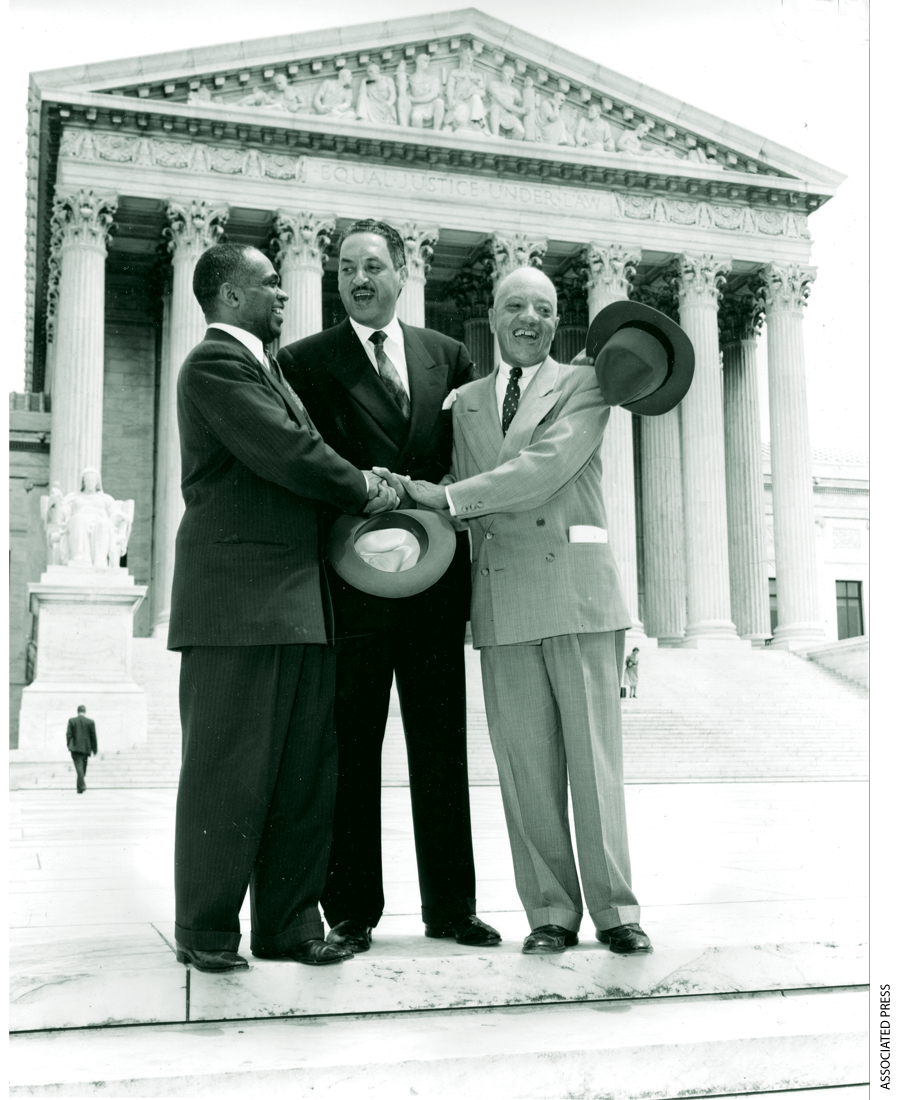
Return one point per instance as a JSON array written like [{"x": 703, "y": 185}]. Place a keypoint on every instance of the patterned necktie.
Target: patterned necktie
[
  {"x": 275, "y": 371},
  {"x": 511, "y": 398},
  {"x": 389, "y": 374}
]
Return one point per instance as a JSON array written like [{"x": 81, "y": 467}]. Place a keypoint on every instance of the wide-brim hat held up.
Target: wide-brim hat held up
[
  {"x": 393, "y": 554},
  {"x": 643, "y": 359}
]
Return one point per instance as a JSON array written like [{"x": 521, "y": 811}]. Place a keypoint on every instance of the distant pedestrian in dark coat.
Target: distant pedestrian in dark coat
[{"x": 81, "y": 741}]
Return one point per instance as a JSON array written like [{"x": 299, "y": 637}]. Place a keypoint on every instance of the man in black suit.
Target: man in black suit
[
  {"x": 256, "y": 793},
  {"x": 376, "y": 388},
  {"x": 81, "y": 741}
]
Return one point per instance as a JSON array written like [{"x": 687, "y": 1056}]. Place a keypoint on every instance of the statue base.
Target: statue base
[{"x": 84, "y": 634}]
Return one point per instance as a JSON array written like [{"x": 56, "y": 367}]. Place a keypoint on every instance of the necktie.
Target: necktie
[
  {"x": 389, "y": 374},
  {"x": 511, "y": 398},
  {"x": 275, "y": 371}
]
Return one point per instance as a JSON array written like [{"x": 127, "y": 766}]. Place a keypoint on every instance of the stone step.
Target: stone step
[{"x": 620, "y": 1050}]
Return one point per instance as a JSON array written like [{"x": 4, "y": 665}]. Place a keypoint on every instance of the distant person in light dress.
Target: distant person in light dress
[{"x": 631, "y": 673}]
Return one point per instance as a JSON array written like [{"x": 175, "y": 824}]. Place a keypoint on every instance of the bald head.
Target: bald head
[{"x": 524, "y": 317}]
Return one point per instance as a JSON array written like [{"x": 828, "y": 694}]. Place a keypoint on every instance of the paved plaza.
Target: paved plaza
[{"x": 754, "y": 895}]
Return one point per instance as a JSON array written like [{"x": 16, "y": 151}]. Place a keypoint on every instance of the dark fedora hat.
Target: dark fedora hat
[
  {"x": 392, "y": 554},
  {"x": 644, "y": 361}
]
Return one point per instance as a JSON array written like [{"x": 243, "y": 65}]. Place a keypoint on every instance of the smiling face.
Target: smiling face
[
  {"x": 257, "y": 301},
  {"x": 368, "y": 282},
  {"x": 524, "y": 317}
]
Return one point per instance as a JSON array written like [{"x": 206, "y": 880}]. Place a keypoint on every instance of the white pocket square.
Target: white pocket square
[
  {"x": 449, "y": 399},
  {"x": 585, "y": 533}
]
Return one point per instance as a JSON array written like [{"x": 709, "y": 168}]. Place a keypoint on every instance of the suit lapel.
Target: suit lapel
[
  {"x": 427, "y": 388},
  {"x": 267, "y": 377},
  {"x": 536, "y": 402},
  {"x": 353, "y": 369},
  {"x": 476, "y": 417}
]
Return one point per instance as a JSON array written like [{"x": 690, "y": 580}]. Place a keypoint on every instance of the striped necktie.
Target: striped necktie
[
  {"x": 389, "y": 374},
  {"x": 511, "y": 398}
]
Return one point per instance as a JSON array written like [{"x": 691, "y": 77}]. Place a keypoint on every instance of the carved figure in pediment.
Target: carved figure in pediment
[
  {"x": 529, "y": 108},
  {"x": 594, "y": 132},
  {"x": 631, "y": 143},
  {"x": 423, "y": 93},
  {"x": 404, "y": 103},
  {"x": 465, "y": 95},
  {"x": 377, "y": 97},
  {"x": 285, "y": 97},
  {"x": 200, "y": 95},
  {"x": 506, "y": 105},
  {"x": 551, "y": 123},
  {"x": 335, "y": 97}
]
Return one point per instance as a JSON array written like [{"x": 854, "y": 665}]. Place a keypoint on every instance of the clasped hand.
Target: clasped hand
[
  {"x": 382, "y": 498},
  {"x": 414, "y": 492}
]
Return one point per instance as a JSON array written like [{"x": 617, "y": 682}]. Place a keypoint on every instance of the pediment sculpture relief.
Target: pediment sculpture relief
[{"x": 456, "y": 95}]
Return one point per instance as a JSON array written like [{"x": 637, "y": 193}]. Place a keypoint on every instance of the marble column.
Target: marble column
[
  {"x": 479, "y": 341},
  {"x": 703, "y": 457},
  {"x": 300, "y": 242},
  {"x": 740, "y": 318},
  {"x": 662, "y": 512},
  {"x": 799, "y": 619},
  {"x": 508, "y": 253},
  {"x": 419, "y": 245},
  {"x": 80, "y": 229},
  {"x": 193, "y": 227},
  {"x": 609, "y": 269}
]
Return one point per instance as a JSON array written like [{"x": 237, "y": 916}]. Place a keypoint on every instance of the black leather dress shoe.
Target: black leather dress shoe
[
  {"x": 213, "y": 962},
  {"x": 311, "y": 952},
  {"x": 626, "y": 939},
  {"x": 548, "y": 939},
  {"x": 355, "y": 935},
  {"x": 467, "y": 930}
]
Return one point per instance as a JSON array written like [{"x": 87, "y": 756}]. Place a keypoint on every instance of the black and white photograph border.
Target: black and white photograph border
[{"x": 749, "y": 798}]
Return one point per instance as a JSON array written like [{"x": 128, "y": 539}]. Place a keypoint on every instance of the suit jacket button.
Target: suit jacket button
[
  {"x": 551, "y": 557},
  {"x": 484, "y": 572},
  {"x": 540, "y": 522},
  {"x": 489, "y": 535}
]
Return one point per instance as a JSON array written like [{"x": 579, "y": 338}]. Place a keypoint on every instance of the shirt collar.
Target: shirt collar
[
  {"x": 251, "y": 343},
  {"x": 527, "y": 372},
  {"x": 391, "y": 330}
]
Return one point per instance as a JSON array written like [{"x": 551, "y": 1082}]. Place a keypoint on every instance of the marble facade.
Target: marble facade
[{"x": 485, "y": 156}]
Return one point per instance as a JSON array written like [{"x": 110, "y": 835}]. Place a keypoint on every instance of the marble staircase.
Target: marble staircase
[{"x": 720, "y": 715}]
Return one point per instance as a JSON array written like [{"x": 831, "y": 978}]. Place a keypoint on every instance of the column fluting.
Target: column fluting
[
  {"x": 799, "y": 616},
  {"x": 662, "y": 512},
  {"x": 193, "y": 227},
  {"x": 703, "y": 456},
  {"x": 610, "y": 268},
  {"x": 81, "y": 224},
  {"x": 300, "y": 243},
  {"x": 419, "y": 245}
]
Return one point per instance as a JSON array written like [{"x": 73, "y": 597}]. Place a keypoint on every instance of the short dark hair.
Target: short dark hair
[
  {"x": 82, "y": 709},
  {"x": 223, "y": 263},
  {"x": 396, "y": 248}
]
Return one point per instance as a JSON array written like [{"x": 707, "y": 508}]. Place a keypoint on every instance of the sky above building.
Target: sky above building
[{"x": 795, "y": 71}]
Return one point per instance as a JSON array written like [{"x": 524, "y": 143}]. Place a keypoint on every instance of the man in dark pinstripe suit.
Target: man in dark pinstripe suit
[{"x": 249, "y": 614}]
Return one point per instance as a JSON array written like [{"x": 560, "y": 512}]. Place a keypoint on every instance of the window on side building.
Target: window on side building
[{"x": 849, "y": 609}]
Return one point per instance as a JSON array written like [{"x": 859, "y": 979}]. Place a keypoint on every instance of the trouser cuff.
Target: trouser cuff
[
  {"x": 206, "y": 940},
  {"x": 564, "y": 918},
  {"x": 308, "y": 926},
  {"x": 448, "y": 911},
  {"x": 612, "y": 918}
]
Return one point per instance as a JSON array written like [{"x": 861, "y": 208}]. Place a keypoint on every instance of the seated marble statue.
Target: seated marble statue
[
  {"x": 285, "y": 97},
  {"x": 506, "y": 106},
  {"x": 87, "y": 527},
  {"x": 551, "y": 122},
  {"x": 594, "y": 132},
  {"x": 423, "y": 93},
  {"x": 377, "y": 97},
  {"x": 335, "y": 97},
  {"x": 465, "y": 95}
]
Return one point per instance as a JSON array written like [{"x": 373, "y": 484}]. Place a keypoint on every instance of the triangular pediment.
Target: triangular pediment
[{"x": 462, "y": 79}]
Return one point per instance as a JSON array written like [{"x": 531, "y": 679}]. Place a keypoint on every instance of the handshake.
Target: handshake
[{"x": 388, "y": 491}]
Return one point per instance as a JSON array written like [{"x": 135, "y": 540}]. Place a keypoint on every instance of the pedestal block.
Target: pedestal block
[{"x": 85, "y": 618}]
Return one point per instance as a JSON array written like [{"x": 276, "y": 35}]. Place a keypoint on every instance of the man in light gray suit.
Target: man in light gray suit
[{"x": 549, "y": 617}]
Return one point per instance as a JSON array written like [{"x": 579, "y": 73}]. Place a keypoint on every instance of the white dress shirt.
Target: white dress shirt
[
  {"x": 393, "y": 347},
  {"x": 500, "y": 385},
  {"x": 251, "y": 343}
]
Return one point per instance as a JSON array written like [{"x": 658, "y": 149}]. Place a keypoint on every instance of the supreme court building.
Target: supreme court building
[{"x": 487, "y": 148}]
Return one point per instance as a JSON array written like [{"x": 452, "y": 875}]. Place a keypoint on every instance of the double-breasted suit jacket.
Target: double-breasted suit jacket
[
  {"x": 420, "y": 639},
  {"x": 549, "y": 616},
  {"x": 258, "y": 775}
]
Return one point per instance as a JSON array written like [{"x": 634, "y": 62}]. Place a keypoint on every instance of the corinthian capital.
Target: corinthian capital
[
  {"x": 301, "y": 239},
  {"x": 519, "y": 250},
  {"x": 194, "y": 227},
  {"x": 419, "y": 246},
  {"x": 609, "y": 268},
  {"x": 787, "y": 287},
  {"x": 82, "y": 219},
  {"x": 741, "y": 315},
  {"x": 700, "y": 277}
]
